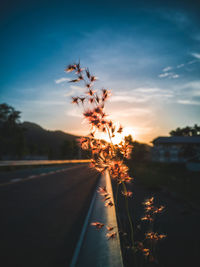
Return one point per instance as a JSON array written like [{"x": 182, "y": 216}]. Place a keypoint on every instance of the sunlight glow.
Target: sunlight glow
[{"x": 119, "y": 137}]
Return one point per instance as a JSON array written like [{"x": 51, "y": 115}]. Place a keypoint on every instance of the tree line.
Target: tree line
[
  {"x": 186, "y": 131},
  {"x": 30, "y": 141}
]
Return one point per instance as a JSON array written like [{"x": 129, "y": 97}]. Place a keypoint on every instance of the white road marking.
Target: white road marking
[
  {"x": 16, "y": 180},
  {"x": 31, "y": 177}
]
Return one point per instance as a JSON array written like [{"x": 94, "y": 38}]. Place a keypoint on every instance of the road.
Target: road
[{"x": 42, "y": 214}]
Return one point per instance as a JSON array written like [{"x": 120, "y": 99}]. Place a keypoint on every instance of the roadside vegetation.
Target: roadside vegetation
[{"x": 173, "y": 178}]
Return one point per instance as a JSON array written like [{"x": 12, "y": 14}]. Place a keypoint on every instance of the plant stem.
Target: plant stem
[
  {"x": 116, "y": 205},
  {"x": 129, "y": 217},
  {"x": 131, "y": 224}
]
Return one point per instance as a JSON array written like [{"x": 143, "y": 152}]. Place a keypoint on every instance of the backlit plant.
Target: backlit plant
[{"x": 107, "y": 155}]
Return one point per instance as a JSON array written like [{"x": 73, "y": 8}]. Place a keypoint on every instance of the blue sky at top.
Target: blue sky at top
[{"x": 148, "y": 54}]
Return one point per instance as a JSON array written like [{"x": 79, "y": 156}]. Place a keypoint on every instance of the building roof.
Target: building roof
[{"x": 177, "y": 140}]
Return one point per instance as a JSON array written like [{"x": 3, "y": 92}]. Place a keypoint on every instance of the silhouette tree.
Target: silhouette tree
[
  {"x": 11, "y": 132},
  {"x": 186, "y": 131}
]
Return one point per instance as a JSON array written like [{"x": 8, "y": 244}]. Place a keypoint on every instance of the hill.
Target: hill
[
  {"x": 27, "y": 140},
  {"x": 52, "y": 144}
]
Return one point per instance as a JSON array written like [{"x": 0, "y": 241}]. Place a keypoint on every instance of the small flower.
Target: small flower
[
  {"x": 70, "y": 68},
  {"x": 75, "y": 100},
  {"x": 102, "y": 191},
  {"x": 146, "y": 252},
  {"x": 88, "y": 85},
  {"x": 120, "y": 129},
  {"x": 75, "y": 80},
  {"x": 98, "y": 110},
  {"x": 107, "y": 198},
  {"x": 82, "y": 99},
  {"x": 92, "y": 134},
  {"x": 147, "y": 217},
  {"x": 109, "y": 204},
  {"x": 110, "y": 124},
  {"x": 87, "y": 73},
  {"x": 127, "y": 193},
  {"x": 111, "y": 235},
  {"x": 84, "y": 143},
  {"x": 80, "y": 77},
  {"x": 148, "y": 208},
  {"x": 90, "y": 92},
  {"x": 148, "y": 201},
  {"x": 91, "y": 100},
  {"x": 105, "y": 94},
  {"x": 158, "y": 210},
  {"x": 93, "y": 78},
  {"x": 98, "y": 225},
  {"x": 154, "y": 236},
  {"x": 109, "y": 228},
  {"x": 87, "y": 113}
]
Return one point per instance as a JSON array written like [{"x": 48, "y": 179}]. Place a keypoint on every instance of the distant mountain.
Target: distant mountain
[
  {"x": 34, "y": 131},
  {"x": 28, "y": 140},
  {"x": 48, "y": 143}
]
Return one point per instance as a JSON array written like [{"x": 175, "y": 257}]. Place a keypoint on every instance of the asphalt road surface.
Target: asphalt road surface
[{"x": 41, "y": 214}]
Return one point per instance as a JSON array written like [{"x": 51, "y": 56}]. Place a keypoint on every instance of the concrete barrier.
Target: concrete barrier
[{"x": 93, "y": 248}]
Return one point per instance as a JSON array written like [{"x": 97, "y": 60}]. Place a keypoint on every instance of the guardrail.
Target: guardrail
[
  {"x": 93, "y": 248},
  {"x": 40, "y": 162}
]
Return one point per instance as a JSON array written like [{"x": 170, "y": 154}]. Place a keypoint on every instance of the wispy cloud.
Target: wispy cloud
[
  {"x": 142, "y": 95},
  {"x": 128, "y": 98},
  {"x": 174, "y": 76},
  {"x": 75, "y": 89},
  {"x": 179, "y": 18},
  {"x": 196, "y": 55},
  {"x": 163, "y": 75},
  {"x": 74, "y": 112},
  {"x": 191, "y": 62},
  {"x": 180, "y": 66},
  {"x": 167, "y": 68},
  {"x": 61, "y": 80},
  {"x": 138, "y": 112},
  {"x": 188, "y": 102},
  {"x": 167, "y": 73},
  {"x": 170, "y": 75},
  {"x": 187, "y": 93},
  {"x": 191, "y": 88}
]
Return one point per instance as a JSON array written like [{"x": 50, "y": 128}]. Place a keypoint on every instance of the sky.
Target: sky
[{"x": 146, "y": 52}]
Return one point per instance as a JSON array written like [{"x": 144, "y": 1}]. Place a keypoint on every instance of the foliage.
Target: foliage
[
  {"x": 11, "y": 132},
  {"x": 8, "y": 115},
  {"x": 159, "y": 176},
  {"x": 186, "y": 131}
]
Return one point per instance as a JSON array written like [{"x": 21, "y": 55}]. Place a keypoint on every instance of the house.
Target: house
[{"x": 175, "y": 148}]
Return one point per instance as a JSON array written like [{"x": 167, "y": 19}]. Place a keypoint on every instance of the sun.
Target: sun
[{"x": 119, "y": 137}]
